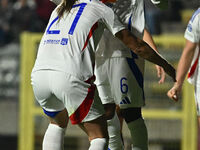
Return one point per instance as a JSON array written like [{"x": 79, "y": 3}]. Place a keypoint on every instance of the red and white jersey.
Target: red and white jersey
[
  {"x": 131, "y": 14},
  {"x": 192, "y": 34},
  {"x": 69, "y": 44}
]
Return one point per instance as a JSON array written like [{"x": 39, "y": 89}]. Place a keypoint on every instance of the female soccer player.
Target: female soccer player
[
  {"x": 119, "y": 75},
  {"x": 190, "y": 61},
  {"x": 64, "y": 68}
]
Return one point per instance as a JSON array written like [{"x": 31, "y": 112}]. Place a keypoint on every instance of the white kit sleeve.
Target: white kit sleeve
[
  {"x": 192, "y": 32},
  {"x": 112, "y": 22}
]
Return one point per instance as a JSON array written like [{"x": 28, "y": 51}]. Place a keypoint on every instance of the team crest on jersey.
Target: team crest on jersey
[
  {"x": 189, "y": 27},
  {"x": 64, "y": 41}
]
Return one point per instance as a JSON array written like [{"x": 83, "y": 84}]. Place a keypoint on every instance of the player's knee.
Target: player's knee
[
  {"x": 131, "y": 114},
  {"x": 109, "y": 110},
  {"x": 61, "y": 119},
  {"x": 61, "y": 123}
]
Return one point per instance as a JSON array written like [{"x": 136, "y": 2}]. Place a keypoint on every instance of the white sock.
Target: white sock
[
  {"x": 99, "y": 144},
  {"x": 139, "y": 135},
  {"x": 115, "y": 141},
  {"x": 54, "y": 138}
]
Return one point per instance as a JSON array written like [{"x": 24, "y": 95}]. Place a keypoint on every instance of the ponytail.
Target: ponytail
[{"x": 65, "y": 6}]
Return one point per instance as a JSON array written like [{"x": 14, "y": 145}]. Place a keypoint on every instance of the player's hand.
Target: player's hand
[
  {"x": 160, "y": 74},
  {"x": 174, "y": 92}
]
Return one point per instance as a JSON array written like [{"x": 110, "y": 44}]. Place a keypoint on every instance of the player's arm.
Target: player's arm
[
  {"x": 143, "y": 50},
  {"x": 183, "y": 67},
  {"x": 149, "y": 40}
]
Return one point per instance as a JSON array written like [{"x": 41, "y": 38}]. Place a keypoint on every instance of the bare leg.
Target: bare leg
[
  {"x": 96, "y": 128},
  {"x": 54, "y": 135},
  {"x": 115, "y": 139},
  {"x": 137, "y": 127},
  {"x": 97, "y": 133},
  {"x": 61, "y": 119},
  {"x": 121, "y": 119},
  {"x": 110, "y": 110}
]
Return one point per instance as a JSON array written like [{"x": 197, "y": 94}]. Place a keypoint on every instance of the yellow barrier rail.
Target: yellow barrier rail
[{"x": 28, "y": 109}]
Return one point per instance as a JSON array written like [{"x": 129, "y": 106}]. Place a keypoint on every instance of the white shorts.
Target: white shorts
[
  {"x": 119, "y": 80},
  {"x": 78, "y": 97},
  {"x": 197, "y": 98}
]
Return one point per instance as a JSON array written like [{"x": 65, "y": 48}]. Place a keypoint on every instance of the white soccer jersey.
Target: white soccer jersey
[
  {"x": 116, "y": 66},
  {"x": 69, "y": 44},
  {"x": 192, "y": 34},
  {"x": 131, "y": 13}
]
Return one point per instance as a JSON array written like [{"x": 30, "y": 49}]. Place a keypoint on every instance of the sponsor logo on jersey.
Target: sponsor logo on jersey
[
  {"x": 51, "y": 41},
  {"x": 189, "y": 27}
]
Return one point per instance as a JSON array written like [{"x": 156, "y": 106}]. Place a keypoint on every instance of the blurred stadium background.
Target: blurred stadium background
[{"x": 171, "y": 126}]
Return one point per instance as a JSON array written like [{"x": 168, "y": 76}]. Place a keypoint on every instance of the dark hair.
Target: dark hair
[{"x": 65, "y": 6}]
